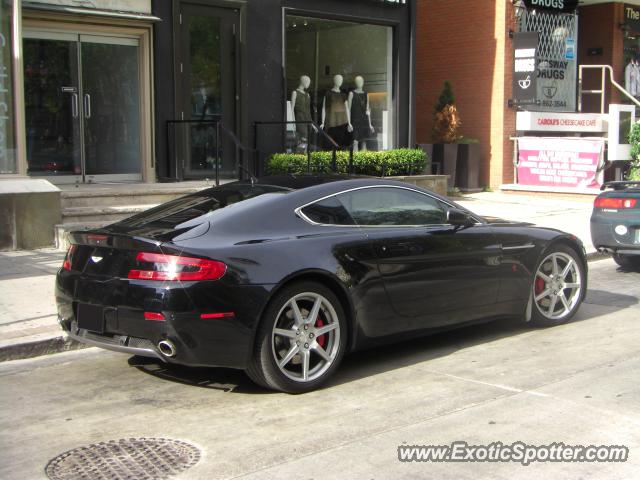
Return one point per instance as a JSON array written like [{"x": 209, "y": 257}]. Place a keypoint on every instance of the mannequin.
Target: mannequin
[
  {"x": 301, "y": 105},
  {"x": 336, "y": 120},
  {"x": 631, "y": 78},
  {"x": 360, "y": 115}
]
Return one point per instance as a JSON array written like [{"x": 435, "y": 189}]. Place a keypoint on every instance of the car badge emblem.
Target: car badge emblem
[{"x": 96, "y": 259}]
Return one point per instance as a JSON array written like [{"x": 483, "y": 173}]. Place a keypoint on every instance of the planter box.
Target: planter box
[
  {"x": 429, "y": 167},
  {"x": 435, "y": 183},
  {"x": 29, "y": 210},
  {"x": 446, "y": 154},
  {"x": 468, "y": 167}
]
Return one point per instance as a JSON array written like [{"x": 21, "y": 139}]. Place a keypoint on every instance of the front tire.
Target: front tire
[
  {"x": 300, "y": 340},
  {"x": 559, "y": 286},
  {"x": 628, "y": 262}
]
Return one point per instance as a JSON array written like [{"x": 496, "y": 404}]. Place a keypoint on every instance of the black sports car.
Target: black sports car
[
  {"x": 615, "y": 222},
  {"x": 282, "y": 276}
]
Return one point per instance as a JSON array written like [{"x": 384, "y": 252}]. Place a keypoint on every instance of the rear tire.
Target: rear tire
[
  {"x": 301, "y": 339},
  {"x": 628, "y": 262},
  {"x": 559, "y": 286}
]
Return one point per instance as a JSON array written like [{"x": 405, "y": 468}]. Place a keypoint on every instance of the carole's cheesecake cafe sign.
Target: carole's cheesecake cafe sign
[{"x": 560, "y": 122}]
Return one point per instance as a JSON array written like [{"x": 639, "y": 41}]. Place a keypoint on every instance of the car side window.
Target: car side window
[
  {"x": 381, "y": 206},
  {"x": 328, "y": 212}
]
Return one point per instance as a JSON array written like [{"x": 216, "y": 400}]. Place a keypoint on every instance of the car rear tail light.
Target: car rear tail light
[
  {"x": 155, "y": 266},
  {"x": 154, "y": 316},
  {"x": 68, "y": 259},
  {"x": 612, "y": 202},
  {"x": 210, "y": 316}
]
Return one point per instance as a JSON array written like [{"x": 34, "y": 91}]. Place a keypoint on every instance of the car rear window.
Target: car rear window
[
  {"x": 181, "y": 210},
  {"x": 328, "y": 212}
]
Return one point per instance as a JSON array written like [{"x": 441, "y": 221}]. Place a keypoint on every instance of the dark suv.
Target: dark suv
[{"x": 615, "y": 222}]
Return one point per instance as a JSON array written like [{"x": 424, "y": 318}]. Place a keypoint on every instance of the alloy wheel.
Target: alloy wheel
[
  {"x": 305, "y": 338},
  {"x": 557, "y": 286}
]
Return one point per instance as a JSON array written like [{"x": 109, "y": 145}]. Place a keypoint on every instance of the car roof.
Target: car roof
[{"x": 308, "y": 188}]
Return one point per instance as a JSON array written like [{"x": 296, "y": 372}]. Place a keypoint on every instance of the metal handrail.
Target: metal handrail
[
  {"x": 220, "y": 127},
  {"x": 310, "y": 124},
  {"x": 603, "y": 82}
]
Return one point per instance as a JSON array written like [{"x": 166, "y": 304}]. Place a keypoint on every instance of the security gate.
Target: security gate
[{"x": 557, "y": 57}]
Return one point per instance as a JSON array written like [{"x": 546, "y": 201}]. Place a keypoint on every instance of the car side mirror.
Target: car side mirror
[{"x": 458, "y": 218}]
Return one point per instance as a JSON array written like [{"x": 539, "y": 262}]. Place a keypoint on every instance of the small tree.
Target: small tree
[
  {"x": 634, "y": 141},
  {"x": 446, "y": 97},
  {"x": 446, "y": 120}
]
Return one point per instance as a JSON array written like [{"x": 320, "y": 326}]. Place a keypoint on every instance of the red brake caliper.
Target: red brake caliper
[
  {"x": 540, "y": 285},
  {"x": 322, "y": 339}
]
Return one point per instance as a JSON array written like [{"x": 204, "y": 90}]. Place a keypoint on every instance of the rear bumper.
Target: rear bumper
[
  {"x": 604, "y": 237},
  {"x": 216, "y": 342},
  {"x": 122, "y": 344}
]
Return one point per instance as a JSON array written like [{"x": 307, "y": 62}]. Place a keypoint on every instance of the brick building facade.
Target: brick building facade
[{"x": 467, "y": 42}]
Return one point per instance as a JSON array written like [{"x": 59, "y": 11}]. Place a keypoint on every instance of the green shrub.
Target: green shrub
[
  {"x": 634, "y": 140},
  {"x": 403, "y": 161}
]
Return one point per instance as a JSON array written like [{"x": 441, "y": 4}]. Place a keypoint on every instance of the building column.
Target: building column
[
  {"x": 18, "y": 89},
  {"x": 503, "y": 118}
]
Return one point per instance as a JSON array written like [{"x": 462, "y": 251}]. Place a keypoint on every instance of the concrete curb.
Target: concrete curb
[{"x": 37, "y": 348}]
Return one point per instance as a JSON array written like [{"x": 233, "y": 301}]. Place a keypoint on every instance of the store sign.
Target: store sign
[
  {"x": 7, "y": 152},
  {"x": 557, "y": 6},
  {"x": 560, "y": 122},
  {"x": 525, "y": 87},
  {"x": 569, "y": 162},
  {"x": 632, "y": 17}
]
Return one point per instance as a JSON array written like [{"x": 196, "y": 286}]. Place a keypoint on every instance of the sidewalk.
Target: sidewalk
[
  {"x": 28, "y": 325},
  {"x": 571, "y": 216}
]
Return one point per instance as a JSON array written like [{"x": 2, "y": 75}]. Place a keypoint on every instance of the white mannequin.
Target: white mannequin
[
  {"x": 338, "y": 80},
  {"x": 359, "y": 81},
  {"x": 632, "y": 82}
]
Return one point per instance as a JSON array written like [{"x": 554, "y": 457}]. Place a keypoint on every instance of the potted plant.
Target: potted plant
[
  {"x": 446, "y": 126},
  {"x": 459, "y": 156}
]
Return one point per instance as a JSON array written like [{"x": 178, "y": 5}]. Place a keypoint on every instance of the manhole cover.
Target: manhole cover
[{"x": 129, "y": 458}]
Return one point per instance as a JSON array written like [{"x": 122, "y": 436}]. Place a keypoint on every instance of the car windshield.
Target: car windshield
[{"x": 181, "y": 210}]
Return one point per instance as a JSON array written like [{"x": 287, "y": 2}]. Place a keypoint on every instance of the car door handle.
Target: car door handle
[{"x": 397, "y": 249}]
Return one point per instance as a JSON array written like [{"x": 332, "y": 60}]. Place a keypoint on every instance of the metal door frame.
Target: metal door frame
[{"x": 78, "y": 36}]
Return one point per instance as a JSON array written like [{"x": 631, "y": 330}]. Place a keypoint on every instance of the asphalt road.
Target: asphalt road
[{"x": 504, "y": 381}]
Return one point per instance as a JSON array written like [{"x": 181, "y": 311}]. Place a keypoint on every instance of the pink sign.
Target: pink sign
[{"x": 560, "y": 162}]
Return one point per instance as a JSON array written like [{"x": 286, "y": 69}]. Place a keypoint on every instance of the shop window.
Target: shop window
[{"x": 340, "y": 76}]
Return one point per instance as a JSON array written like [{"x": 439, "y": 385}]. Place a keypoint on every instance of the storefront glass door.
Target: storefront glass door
[{"x": 82, "y": 107}]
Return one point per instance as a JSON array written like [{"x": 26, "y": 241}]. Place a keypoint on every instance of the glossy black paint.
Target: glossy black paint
[{"x": 392, "y": 281}]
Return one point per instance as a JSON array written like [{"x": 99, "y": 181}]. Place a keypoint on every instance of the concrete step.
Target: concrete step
[
  {"x": 116, "y": 197},
  {"x": 101, "y": 213}
]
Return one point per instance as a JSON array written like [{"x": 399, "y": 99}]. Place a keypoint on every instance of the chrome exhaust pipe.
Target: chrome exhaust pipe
[{"x": 167, "y": 348}]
